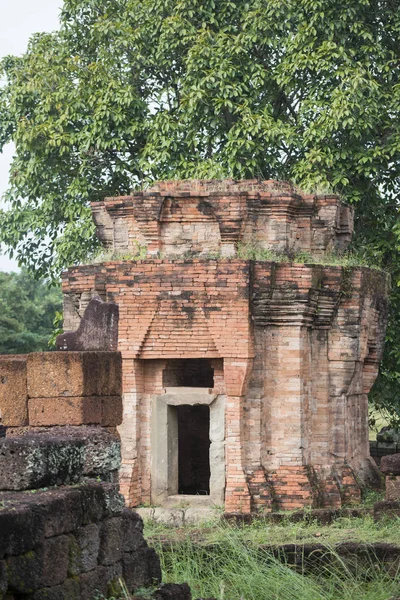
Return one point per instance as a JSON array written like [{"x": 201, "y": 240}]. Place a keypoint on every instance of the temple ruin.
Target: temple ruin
[
  {"x": 245, "y": 382},
  {"x": 65, "y": 533}
]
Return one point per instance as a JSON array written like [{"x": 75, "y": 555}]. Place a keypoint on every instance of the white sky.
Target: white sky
[{"x": 19, "y": 19}]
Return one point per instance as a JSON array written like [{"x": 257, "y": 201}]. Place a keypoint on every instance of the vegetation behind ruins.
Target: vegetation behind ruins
[
  {"x": 27, "y": 311},
  {"x": 128, "y": 92}
]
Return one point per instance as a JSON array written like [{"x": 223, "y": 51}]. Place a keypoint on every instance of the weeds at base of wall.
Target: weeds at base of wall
[
  {"x": 262, "y": 531},
  {"x": 140, "y": 594},
  {"x": 235, "y": 571}
]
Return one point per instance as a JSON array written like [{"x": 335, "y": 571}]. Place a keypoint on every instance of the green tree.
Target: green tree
[
  {"x": 128, "y": 92},
  {"x": 27, "y": 311}
]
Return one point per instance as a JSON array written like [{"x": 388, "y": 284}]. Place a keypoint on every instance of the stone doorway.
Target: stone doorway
[
  {"x": 194, "y": 449},
  {"x": 188, "y": 446}
]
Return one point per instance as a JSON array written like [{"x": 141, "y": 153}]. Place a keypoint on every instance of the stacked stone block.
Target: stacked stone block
[
  {"x": 387, "y": 442},
  {"x": 65, "y": 533},
  {"x": 390, "y": 467},
  {"x": 71, "y": 543},
  {"x": 61, "y": 388}
]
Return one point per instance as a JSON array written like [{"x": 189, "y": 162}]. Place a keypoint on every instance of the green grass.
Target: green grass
[
  {"x": 260, "y": 532},
  {"x": 248, "y": 251},
  {"x": 347, "y": 259},
  {"x": 232, "y": 569},
  {"x": 230, "y": 562}
]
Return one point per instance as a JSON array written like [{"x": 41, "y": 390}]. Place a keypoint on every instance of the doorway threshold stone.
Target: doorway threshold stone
[{"x": 179, "y": 517}]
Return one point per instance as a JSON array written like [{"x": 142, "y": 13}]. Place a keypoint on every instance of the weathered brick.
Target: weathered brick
[
  {"x": 79, "y": 410},
  {"x": 73, "y": 374},
  {"x": 13, "y": 392}
]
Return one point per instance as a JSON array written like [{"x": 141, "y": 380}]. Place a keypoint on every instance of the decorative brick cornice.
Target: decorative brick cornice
[{"x": 270, "y": 213}]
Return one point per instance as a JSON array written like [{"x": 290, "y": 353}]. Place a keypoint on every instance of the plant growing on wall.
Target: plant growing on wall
[{"x": 128, "y": 92}]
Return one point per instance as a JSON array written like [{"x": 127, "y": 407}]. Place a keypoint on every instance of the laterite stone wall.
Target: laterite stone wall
[{"x": 65, "y": 533}]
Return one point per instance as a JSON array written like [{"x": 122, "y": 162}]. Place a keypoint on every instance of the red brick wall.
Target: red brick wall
[
  {"x": 203, "y": 216},
  {"x": 294, "y": 347}
]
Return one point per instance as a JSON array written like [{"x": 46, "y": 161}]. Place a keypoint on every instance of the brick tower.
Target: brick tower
[{"x": 245, "y": 381}]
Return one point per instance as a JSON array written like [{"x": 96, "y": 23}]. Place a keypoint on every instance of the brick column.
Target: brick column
[
  {"x": 133, "y": 386},
  {"x": 286, "y": 415},
  {"x": 237, "y": 495}
]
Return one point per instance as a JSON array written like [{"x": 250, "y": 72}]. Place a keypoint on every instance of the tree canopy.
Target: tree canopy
[
  {"x": 27, "y": 311},
  {"x": 130, "y": 91}
]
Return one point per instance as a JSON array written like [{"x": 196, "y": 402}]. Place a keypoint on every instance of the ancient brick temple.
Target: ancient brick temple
[{"x": 245, "y": 381}]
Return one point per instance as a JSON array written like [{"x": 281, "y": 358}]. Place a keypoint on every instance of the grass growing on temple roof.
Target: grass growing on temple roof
[
  {"x": 245, "y": 251},
  {"x": 251, "y": 251}
]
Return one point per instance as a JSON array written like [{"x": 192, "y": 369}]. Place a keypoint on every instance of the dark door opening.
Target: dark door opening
[{"x": 194, "y": 449}]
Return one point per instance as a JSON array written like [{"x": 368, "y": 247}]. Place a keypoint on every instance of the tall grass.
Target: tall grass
[{"x": 234, "y": 570}]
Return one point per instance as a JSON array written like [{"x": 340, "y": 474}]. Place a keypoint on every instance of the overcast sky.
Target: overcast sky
[{"x": 19, "y": 19}]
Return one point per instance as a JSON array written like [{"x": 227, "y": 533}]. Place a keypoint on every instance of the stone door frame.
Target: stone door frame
[{"x": 164, "y": 443}]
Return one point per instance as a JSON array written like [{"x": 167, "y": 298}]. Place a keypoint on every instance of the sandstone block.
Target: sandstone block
[
  {"x": 392, "y": 487},
  {"x": 141, "y": 568},
  {"x": 13, "y": 392},
  {"x": 173, "y": 517},
  {"x": 71, "y": 410},
  {"x": 93, "y": 583},
  {"x": 195, "y": 515},
  {"x": 21, "y": 529},
  {"x": 74, "y": 374},
  {"x": 390, "y": 465},
  {"x": 84, "y": 549},
  {"x": 31, "y": 462},
  {"x": 25, "y": 571},
  {"x": 111, "y": 541},
  {"x": 55, "y": 560},
  {"x": 68, "y": 590}
]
